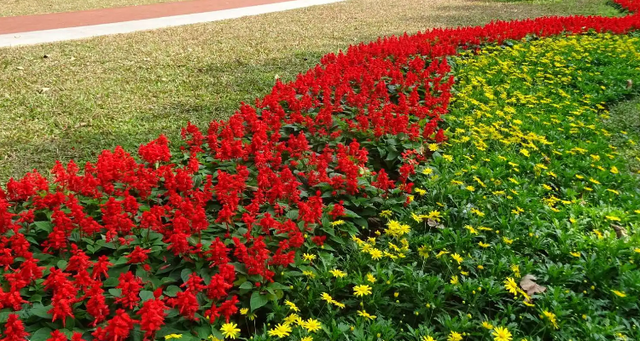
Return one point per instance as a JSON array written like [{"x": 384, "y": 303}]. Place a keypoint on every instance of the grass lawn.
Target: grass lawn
[
  {"x": 625, "y": 118},
  {"x": 127, "y": 89},
  {"x": 11, "y": 8}
]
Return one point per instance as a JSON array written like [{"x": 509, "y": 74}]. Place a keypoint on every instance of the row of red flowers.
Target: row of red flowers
[{"x": 124, "y": 243}]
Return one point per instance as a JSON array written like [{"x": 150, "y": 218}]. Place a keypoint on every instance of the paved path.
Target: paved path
[{"x": 36, "y": 29}]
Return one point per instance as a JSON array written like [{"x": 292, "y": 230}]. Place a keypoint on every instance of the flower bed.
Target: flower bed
[{"x": 193, "y": 244}]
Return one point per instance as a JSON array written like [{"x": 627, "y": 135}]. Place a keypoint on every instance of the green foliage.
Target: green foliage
[{"x": 535, "y": 180}]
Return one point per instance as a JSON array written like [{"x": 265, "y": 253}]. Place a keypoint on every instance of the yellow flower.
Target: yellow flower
[
  {"x": 361, "y": 290},
  {"x": 619, "y": 293},
  {"x": 470, "y": 188},
  {"x": 471, "y": 229},
  {"x": 507, "y": 240},
  {"x": 371, "y": 278},
  {"x": 511, "y": 286},
  {"x": 442, "y": 253},
  {"x": 552, "y": 318},
  {"x": 307, "y": 338},
  {"x": 457, "y": 258},
  {"x": 432, "y": 147},
  {"x": 454, "y": 280},
  {"x": 311, "y": 325},
  {"x": 291, "y": 306},
  {"x": 427, "y": 171},
  {"x": 309, "y": 274},
  {"x": 338, "y": 274},
  {"x": 435, "y": 215},
  {"x": 423, "y": 251},
  {"x": 454, "y": 336},
  {"x": 386, "y": 214},
  {"x": 575, "y": 254},
  {"x": 416, "y": 217},
  {"x": 477, "y": 212},
  {"x": 308, "y": 257},
  {"x": 487, "y": 325},
  {"x": 291, "y": 319},
  {"x": 375, "y": 254},
  {"x": 427, "y": 338},
  {"x": 420, "y": 191},
  {"x": 612, "y": 218},
  {"x": 366, "y": 315},
  {"x": 614, "y": 170},
  {"x": 396, "y": 229},
  {"x": 338, "y": 304},
  {"x": 230, "y": 330},
  {"x": 484, "y": 245},
  {"x": 244, "y": 311},
  {"x": 501, "y": 334},
  {"x": 280, "y": 330},
  {"x": 173, "y": 336},
  {"x": 447, "y": 157},
  {"x": 326, "y": 297},
  {"x": 337, "y": 223}
]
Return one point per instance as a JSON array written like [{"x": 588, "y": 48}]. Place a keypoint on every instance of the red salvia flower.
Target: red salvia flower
[
  {"x": 139, "y": 255},
  {"x": 130, "y": 286},
  {"x": 152, "y": 315},
  {"x": 117, "y": 329},
  {"x": 14, "y": 329},
  {"x": 56, "y": 335}
]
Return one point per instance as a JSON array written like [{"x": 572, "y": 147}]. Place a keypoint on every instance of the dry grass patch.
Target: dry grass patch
[{"x": 125, "y": 90}]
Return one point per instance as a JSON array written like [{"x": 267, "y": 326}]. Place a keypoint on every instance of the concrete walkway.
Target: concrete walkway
[{"x": 37, "y": 29}]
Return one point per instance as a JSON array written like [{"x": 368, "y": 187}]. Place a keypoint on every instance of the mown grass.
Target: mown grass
[
  {"x": 127, "y": 89},
  {"x": 11, "y": 8}
]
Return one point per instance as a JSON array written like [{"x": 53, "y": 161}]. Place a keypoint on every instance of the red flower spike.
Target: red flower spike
[{"x": 14, "y": 329}]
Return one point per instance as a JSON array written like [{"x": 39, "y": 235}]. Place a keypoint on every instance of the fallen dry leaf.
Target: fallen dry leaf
[
  {"x": 620, "y": 231},
  {"x": 528, "y": 284}
]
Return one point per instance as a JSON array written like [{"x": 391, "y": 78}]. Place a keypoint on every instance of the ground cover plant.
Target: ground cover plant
[
  {"x": 149, "y": 83},
  {"x": 338, "y": 205}
]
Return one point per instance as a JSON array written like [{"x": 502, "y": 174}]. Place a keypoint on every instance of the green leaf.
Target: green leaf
[
  {"x": 172, "y": 290},
  {"x": 4, "y": 316},
  {"x": 41, "y": 334},
  {"x": 45, "y": 226},
  {"x": 115, "y": 292},
  {"x": 278, "y": 286},
  {"x": 146, "y": 295},
  {"x": 110, "y": 282},
  {"x": 184, "y": 274},
  {"x": 203, "y": 332},
  {"x": 35, "y": 298},
  {"x": 68, "y": 333},
  {"x": 246, "y": 285},
  {"x": 258, "y": 300},
  {"x": 41, "y": 311},
  {"x": 62, "y": 264},
  {"x": 292, "y": 214}
]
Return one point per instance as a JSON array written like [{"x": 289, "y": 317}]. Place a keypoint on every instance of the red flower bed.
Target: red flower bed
[{"x": 183, "y": 240}]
